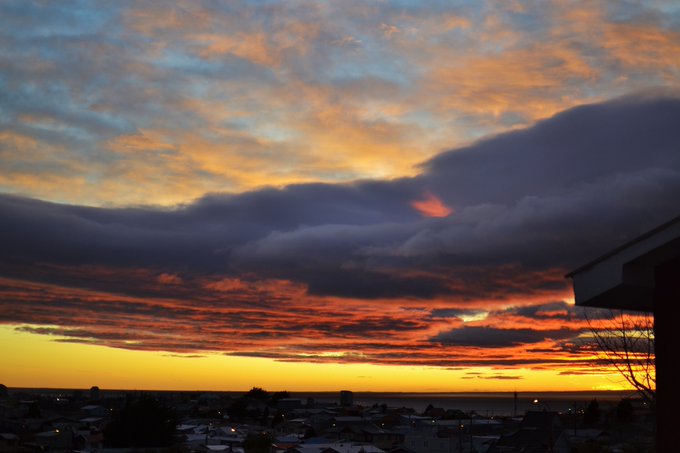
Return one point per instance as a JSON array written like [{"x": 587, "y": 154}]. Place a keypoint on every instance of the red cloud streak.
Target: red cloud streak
[{"x": 246, "y": 316}]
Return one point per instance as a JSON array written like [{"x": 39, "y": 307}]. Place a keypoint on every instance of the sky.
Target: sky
[{"x": 374, "y": 195}]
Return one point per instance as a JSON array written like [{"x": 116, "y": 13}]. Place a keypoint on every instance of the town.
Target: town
[{"x": 259, "y": 421}]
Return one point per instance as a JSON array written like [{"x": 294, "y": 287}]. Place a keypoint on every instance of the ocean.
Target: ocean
[{"x": 483, "y": 403}]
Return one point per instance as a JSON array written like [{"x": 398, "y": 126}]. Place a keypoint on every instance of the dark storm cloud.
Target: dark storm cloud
[
  {"x": 454, "y": 313},
  {"x": 553, "y": 195},
  {"x": 490, "y": 337},
  {"x": 559, "y": 311},
  {"x": 575, "y": 149}
]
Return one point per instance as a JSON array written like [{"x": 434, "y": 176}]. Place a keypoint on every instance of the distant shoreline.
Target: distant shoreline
[
  {"x": 489, "y": 403},
  {"x": 357, "y": 393}
]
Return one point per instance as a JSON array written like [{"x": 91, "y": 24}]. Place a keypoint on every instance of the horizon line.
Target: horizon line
[{"x": 453, "y": 392}]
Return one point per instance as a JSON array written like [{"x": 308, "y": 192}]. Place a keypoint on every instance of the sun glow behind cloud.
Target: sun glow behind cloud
[{"x": 431, "y": 206}]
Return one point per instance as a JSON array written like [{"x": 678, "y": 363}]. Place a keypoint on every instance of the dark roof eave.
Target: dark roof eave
[{"x": 618, "y": 249}]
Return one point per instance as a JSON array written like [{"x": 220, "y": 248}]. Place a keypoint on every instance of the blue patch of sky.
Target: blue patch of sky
[
  {"x": 5, "y": 92},
  {"x": 76, "y": 139},
  {"x": 373, "y": 61},
  {"x": 434, "y": 6},
  {"x": 29, "y": 19},
  {"x": 511, "y": 119},
  {"x": 667, "y": 13},
  {"x": 65, "y": 119},
  {"x": 226, "y": 67},
  {"x": 257, "y": 3},
  {"x": 531, "y": 21},
  {"x": 391, "y": 72},
  {"x": 31, "y": 97},
  {"x": 473, "y": 127}
]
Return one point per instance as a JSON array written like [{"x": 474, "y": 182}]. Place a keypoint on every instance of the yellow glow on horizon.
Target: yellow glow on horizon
[{"x": 31, "y": 360}]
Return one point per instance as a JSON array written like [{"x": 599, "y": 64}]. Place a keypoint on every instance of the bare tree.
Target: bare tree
[{"x": 626, "y": 341}]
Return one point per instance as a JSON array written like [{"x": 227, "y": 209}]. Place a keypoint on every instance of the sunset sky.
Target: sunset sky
[{"x": 364, "y": 195}]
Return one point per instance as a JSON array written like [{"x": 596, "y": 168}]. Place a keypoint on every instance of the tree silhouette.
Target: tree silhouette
[
  {"x": 624, "y": 411},
  {"x": 592, "y": 413},
  {"x": 276, "y": 396},
  {"x": 626, "y": 341},
  {"x": 257, "y": 393}
]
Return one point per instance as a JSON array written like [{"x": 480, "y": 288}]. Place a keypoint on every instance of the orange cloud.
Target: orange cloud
[
  {"x": 143, "y": 141},
  {"x": 253, "y": 47},
  {"x": 644, "y": 47},
  {"x": 169, "y": 279},
  {"x": 431, "y": 206}
]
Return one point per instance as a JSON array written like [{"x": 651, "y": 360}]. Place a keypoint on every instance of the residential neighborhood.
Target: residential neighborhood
[{"x": 262, "y": 422}]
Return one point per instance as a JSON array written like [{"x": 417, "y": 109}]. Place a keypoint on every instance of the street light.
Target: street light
[{"x": 545, "y": 406}]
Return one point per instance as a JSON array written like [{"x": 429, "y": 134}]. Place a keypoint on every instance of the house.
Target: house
[
  {"x": 298, "y": 426},
  {"x": 8, "y": 440},
  {"x": 88, "y": 439},
  {"x": 366, "y": 432},
  {"x": 539, "y": 432},
  {"x": 283, "y": 443},
  {"x": 643, "y": 274},
  {"x": 430, "y": 442},
  {"x": 55, "y": 439},
  {"x": 339, "y": 447},
  {"x": 94, "y": 410}
]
